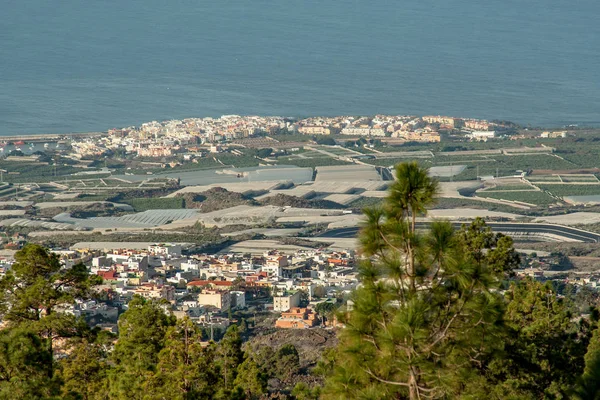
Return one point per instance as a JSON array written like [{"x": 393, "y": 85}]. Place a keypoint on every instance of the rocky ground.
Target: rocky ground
[{"x": 310, "y": 343}]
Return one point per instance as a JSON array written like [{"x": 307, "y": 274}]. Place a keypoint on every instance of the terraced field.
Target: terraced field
[
  {"x": 579, "y": 178},
  {"x": 509, "y": 187},
  {"x": 536, "y": 197},
  {"x": 572, "y": 190},
  {"x": 543, "y": 178}
]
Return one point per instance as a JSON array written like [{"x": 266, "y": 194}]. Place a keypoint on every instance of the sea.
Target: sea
[{"x": 81, "y": 66}]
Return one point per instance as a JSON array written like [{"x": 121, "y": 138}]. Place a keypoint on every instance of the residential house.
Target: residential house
[{"x": 297, "y": 318}]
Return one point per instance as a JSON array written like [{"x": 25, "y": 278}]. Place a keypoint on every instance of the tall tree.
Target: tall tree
[
  {"x": 185, "y": 370},
  {"x": 250, "y": 379},
  {"x": 230, "y": 356},
  {"x": 409, "y": 196},
  {"x": 486, "y": 247},
  {"x": 37, "y": 283},
  {"x": 142, "y": 330},
  {"x": 588, "y": 387},
  {"x": 425, "y": 312},
  {"x": 24, "y": 360},
  {"x": 35, "y": 288},
  {"x": 84, "y": 372},
  {"x": 544, "y": 348}
]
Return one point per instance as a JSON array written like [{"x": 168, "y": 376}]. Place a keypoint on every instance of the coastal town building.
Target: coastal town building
[
  {"x": 314, "y": 130},
  {"x": 363, "y": 132},
  {"x": 448, "y": 122},
  {"x": 297, "y": 318},
  {"x": 285, "y": 302},
  {"x": 553, "y": 135},
  {"x": 418, "y": 136},
  {"x": 152, "y": 291},
  {"x": 217, "y": 298},
  {"x": 482, "y": 135}
]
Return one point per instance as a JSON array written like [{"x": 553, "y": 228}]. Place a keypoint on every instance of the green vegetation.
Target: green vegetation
[
  {"x": 571, "y": 190},
  {"x": 388, "y": 162},
  {"x": 534, "y": 161},
  {"x": 450, "y": 202},
  {"x": 214, "y": 199},
  {"x": 363, "y": 202},
  {"x": 38, "y": 172},
  {"x": 431, "y": 319},
  {"x": 314, "y": 162},
  {"x": 579, "y": 178},
  {"x": 48, "y": 354},
  {"x": 156, "y": 203},
  {"x": 508, "y": 187},
  {"x": 339, "y": 151},
  {"x": 284, "y": 200},
  {"x": 436, "y": 315},
  {"x": 543, "y": 178},
  {"x": 536, "y": 197}
]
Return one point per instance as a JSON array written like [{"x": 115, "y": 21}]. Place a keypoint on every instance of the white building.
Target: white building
[
  {"x": 215, "y": 298},
  {"x": 363, "y": 132},
  {"x": 166, "y": 249},
  {"x": 482, "y": 135},
  {"x": 284, "y": 303}
]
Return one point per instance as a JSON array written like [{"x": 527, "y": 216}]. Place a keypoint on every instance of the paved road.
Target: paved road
[{"x": 504, "y": 227}]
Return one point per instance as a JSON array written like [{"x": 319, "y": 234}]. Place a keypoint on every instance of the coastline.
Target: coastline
[{"x": 50, "y": 136}]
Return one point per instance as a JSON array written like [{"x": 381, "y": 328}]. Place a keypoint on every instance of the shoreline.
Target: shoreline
[
  {"x": 49, "y": 136},
  {"x": 68, "y": 135}
]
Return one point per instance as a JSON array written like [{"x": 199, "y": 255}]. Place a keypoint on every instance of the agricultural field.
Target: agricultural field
[
  {"x": 442, "y": 161},
  {"x": 543, "y": 178},
  {"x": 485, "y": 169},
  {"x": 387, "y": 162},
  {"x": 509, "y": 187},
  {"x": 536, "y": 197},
  {"x": 106, "y": 184},
  {"x": 449, "y": 158},
  {"x": 304, "y": 155},
  {"x": 509, "y": 165},
  {"x": 572, "y": 190},
  {"x": 583, "y": 159},
  {"x": 535, "y": 161},
  {"x": 466, "y": 202},
  {"x": 339, "y": 151},
  {"x": 156, "y": 203},
  {"x": 589, "y": 178},
  {"x": 313, "y": 162},
  {"x": 563, "y": 178},
  {"x": 20, "y": 173}
]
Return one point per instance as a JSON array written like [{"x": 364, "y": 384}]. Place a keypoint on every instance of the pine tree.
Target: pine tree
[
  {"x": 425, "y": 313},
  {"x": 24, "y": 360},
  {"x": 287, "y": 362},
  {"x": 229, "y": 356},
  {"x": 142, "y": 330},
  {"x": 84, "y": 372},
  {"x": 250, "y": 379},
  {"x": 184, "y": 370},
  {"x": 31, "y": 294},
  {"x": 544, "y": 346},
  {"x": 588, "y": 387}
]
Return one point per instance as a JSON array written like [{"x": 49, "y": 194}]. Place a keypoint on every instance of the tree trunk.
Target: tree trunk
[
  {"x": 413, "y": 388},
  {"x": 411, "y": 256}
]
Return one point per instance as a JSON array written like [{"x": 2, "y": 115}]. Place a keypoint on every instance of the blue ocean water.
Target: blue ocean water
[{"x": 73, "y": 66}]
